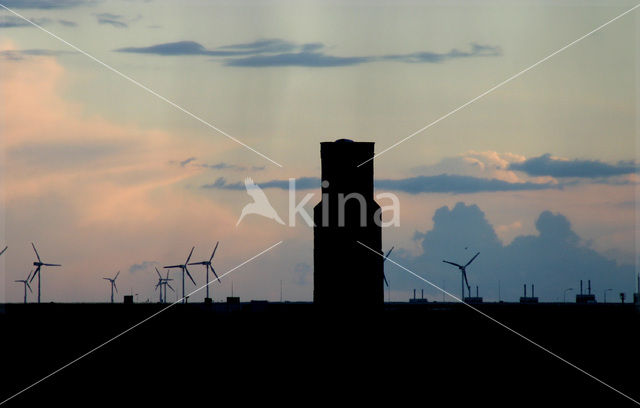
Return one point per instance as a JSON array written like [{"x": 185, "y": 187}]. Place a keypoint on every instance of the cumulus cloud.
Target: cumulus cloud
[
  {"x": 443, "y": 183},
  {"x": 517, "y": 168},
  {"x": 278, "y": 53},
  {"x": 554, "y": 259},
  {"x": 486, "y": 164},
  {"x": 546, "y": 165}
]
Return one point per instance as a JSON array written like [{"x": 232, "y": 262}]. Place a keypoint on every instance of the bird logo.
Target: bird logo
[{"x": 260, "y": 204}]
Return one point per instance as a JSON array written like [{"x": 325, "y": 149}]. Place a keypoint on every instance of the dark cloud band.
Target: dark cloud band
[
  {"x": 281, "y": 53},
  {"x": 443, "y": 183},
  {"x": 545, "y": 165},
  {"x": 44, "y": 4}
]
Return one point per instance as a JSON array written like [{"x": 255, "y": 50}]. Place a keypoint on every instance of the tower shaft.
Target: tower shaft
[{"x": 344, "y": 270}]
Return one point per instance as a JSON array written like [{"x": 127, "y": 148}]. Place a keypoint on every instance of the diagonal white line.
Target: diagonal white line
[
  {"x": 135, "y": 325},
  {"x": 504, "y": 325},
  {"x": 151, "y": 91},
  {"x": 506, "y": 81}
]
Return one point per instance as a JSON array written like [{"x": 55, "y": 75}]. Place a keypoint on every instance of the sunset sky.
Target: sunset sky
[{"x": 539, "y": 175}]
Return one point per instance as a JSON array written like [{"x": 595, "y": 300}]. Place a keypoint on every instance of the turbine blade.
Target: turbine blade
[
  {"x": 116, "y": 277},
  {"x": 214, "y": 251},
  {"x": 188, "y": 274},
  {"x": 189, "y": 257},
  {"x": 388, "y": 253},
  {"x": 27, "y": 283},
  {"x": 214, "y": 272},
  {"x": 158, "y": 272},
  {"x": 35, "y": 273},
  {"x": 5, "y": 248},
  {"x": 29, "y": 275},
  {"x": 172, "y": 266},
  {"x": 45, "y": 264},
  {"x": 36, "y": 251},
  {"x": 474, "y": 257},
  {"x": 107, "y": 279},
  {"x": 115, "y": 286},
  {"x": 452, "y": 263},
  {"x": 198, "y": 263},
  {"x": 385, "y": 278},
  {"x": 170, "y": 287}
]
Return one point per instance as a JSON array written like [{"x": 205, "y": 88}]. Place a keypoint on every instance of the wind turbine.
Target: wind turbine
[
  {"x": 207, "y": 265},
  {"x": 386, "y": 282},
  {"x": 184, "y": 269},
  {"x": 113, "y": 284},
  {"x": 5, "y": 248},
  {"x": 463, "y": 270},
  {"x": 163, "y": 282},
  {"x": 39, "y": 266},
  {"x": 26, "y": 284},
  {"x": 159, "y": 284}
]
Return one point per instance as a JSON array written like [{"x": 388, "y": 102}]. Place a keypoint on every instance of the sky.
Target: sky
[{"x": 104, "y": 176}]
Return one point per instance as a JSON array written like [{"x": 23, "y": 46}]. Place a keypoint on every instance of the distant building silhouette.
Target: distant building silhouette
[
  {"x": 530, "y": 299},
  {"x": 418, "y": 300},
  {"x": 474, "y": 299},
  {"x": 585, "y": 298},
  {"x": 345, "y": 271}
]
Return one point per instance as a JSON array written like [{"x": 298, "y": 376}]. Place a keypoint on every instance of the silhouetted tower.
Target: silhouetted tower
[{"x": 345, "y": 271}]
